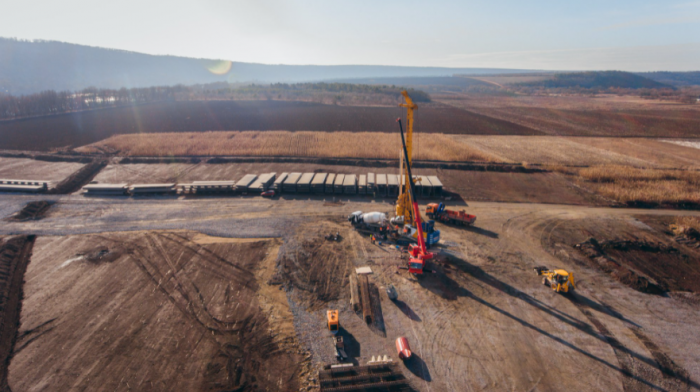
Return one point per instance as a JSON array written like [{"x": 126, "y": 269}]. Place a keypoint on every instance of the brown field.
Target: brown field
[
  {"x": 78, "y": 129},
  {"x": 288, "y": 144},
  {"x": 586, "y": 116}
]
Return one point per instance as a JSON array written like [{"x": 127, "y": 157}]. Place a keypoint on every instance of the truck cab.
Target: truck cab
[
  {"x": 333, "y": 321},
  {"x": 355, "y": 218}
]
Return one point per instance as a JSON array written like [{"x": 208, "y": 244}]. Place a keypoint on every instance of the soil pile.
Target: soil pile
[
  {"x": 318, "y": 267},
  {"x": 33, "y": 210},
  {"x": 81, "y": 177},
  {"x": 649, "y": 267},
  {"x": 102, "y": 254}
]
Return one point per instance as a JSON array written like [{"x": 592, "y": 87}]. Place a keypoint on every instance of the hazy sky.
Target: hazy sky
[{"x": 634, "y": 35}]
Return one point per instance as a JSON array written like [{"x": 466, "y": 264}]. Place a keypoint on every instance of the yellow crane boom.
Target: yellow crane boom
[{"x": 404, "y": 203}]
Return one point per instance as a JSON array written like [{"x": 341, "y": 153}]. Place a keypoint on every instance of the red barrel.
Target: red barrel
[{"x": 403, "y": 348}]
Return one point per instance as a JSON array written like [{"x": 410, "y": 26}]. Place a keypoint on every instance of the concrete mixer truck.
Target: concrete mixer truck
[{"x": 371, "y": 222}]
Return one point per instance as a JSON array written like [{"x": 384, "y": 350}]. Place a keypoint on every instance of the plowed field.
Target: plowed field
[{"x": 77, "y": 129}]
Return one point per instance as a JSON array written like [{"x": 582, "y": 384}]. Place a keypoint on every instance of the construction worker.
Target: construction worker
[{"x": 372, "y": 239}]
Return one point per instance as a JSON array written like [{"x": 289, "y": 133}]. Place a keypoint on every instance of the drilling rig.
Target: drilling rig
[
  {"x": 405, "y": 214},
  {"x": 404, "y": 208},
  {"x": 418, "y": 253}
]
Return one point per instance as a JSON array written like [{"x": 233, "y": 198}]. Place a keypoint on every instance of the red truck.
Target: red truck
[{"x": 438, "y": 212}]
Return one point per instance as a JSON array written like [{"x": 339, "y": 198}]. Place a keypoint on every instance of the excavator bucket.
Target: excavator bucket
[{"x": 541, "y": 270}]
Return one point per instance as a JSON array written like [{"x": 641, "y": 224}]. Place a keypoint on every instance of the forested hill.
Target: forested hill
[
  {"x": 675, "y": 78},
  {"x": 597, "y": 80},
  {"x": 31, "y": 66}
]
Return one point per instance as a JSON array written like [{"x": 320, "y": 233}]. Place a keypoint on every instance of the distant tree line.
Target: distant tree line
[
  {"x": 310, "y": 88},
  {"x": 55, "y": 102}
]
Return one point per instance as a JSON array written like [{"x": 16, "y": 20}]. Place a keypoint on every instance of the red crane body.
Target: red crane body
[{"x": 419, "y": 253}]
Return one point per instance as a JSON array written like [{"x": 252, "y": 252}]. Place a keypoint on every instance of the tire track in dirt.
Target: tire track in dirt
[
  {"x": 639, "y": 373},
  {"x": 245, "y": 342}
]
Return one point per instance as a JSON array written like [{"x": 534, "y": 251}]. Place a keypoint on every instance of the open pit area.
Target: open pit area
[{"x": 231, "y": 293}]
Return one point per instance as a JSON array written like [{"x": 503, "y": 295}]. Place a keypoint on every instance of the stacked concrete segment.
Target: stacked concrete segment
[
  {"x": 277, "y": 185},
  {"x": 338, "y": 185},
  {"x": 362, "y": 184},
  {"x": 290, "y": 184},
  {"x": 330, "y": 181},
  {"x": 304, "y": 183},
  {"x": 263, "y": 183},
  {"x": 244, "y": 183},
  {"x": 350, "y": 184},
  {"x": 381, "y": 185},
  {"x": 318, "y": 184}
]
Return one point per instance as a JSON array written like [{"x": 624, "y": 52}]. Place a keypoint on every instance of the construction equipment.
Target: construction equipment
[
  {"x": 391, "y": 292},
  {"x": 440, "y": 213},
  {"x": 339, "y": 346},
  {"x": 333, "y": 321},
  {"x": 418, "y": 253},
  {"x": 559, "y": 280},
  {"x": 333, "y": 237},
  {"x": 404, "y": 203},
  {"x": 371, "y": 222},
  {"x": 430, "y": 235},
  {"x": 403, "y": 348}
]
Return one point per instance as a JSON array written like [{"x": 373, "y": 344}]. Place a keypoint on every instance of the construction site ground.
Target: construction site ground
[
  {"x": 220, "y": 293},
  {"x": 471, "y": 185},
  {"x": 32, "y": 169}
]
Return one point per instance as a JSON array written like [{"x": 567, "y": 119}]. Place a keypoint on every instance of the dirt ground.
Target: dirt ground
[
  {"x": 485, "y": 322},
  {"x": 124, "y": 309},
  {"x": 30, "y": 169},
  {"x": 152, "y": 311}
]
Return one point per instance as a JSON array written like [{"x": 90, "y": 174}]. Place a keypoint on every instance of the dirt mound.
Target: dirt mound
[
  {"x": 102, "y": 254},
  {"x": 317, "y": 267},
  {"x": 81, "y": 177},
  {"x": 33, "y": 210},
  {"x": 14, "y": 258},
  {"x": 649, "y": 267}
]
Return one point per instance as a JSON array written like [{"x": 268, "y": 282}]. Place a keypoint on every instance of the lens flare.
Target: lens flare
[{"x": 219, "y": 67}]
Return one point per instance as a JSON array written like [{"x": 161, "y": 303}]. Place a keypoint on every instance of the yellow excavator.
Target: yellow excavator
[
  {"x": 404, "y": 205},
  {"x": 559, "y": 280}
]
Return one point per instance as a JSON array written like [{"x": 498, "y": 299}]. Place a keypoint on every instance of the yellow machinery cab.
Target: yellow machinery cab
[
  {"x": 561, "y": 280},
  {"x": 333, "y": 321}
]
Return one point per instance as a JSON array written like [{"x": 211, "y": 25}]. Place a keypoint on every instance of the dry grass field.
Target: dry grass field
[
  {"x": 653, "y": 152},
  {"x": 633, "y": 185},
  {"x": 547, "y": 150},
  {"x": 285, "y": 143}
]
